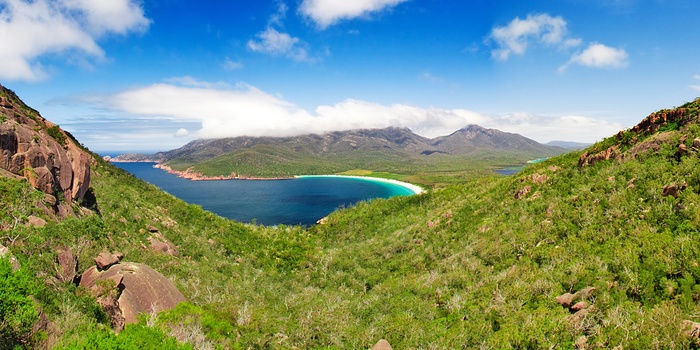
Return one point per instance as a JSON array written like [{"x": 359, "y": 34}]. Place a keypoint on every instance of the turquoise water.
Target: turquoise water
[{"x": 299, "y": 201}]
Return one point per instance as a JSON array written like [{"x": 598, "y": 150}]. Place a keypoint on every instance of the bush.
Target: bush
[
  {"x": 57, "y": 135},
  {"x": 134, "y": 336},
  {"x": 17, "y": 310}
]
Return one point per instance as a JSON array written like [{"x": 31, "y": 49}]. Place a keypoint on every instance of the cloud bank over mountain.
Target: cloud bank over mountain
[{"x": 229, "y": 111}]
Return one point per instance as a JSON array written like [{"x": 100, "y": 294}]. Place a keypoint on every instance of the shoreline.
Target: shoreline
[
  {"x": 192, "y": 175},
  {"x": 414, "y": 188}
]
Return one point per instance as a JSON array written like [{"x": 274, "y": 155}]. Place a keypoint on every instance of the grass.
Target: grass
[{"x": 467, "y": 265}]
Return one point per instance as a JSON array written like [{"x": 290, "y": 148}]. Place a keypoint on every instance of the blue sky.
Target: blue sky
[{"x": 126, "y": 75}]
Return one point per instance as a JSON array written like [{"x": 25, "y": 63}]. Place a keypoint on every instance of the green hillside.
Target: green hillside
[
  {"x": 486, "y": 264},
  {"x": 430, "y": 162}
]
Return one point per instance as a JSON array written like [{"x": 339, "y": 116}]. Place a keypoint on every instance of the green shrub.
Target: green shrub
[
  {"x": 57, "y": 135},
  {"x": 134, "y": 336},
  {"x": 17, "y": 310}
]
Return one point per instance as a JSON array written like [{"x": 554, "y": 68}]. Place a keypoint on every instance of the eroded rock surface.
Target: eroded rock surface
[
  {"x": 140, "y": 288},
  {"x": 33, "y": 147}
]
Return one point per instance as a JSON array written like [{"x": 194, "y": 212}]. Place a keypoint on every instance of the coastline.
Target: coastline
[
  {"x": 190, "y": 174},
  {"x": 414, "y": 188}
]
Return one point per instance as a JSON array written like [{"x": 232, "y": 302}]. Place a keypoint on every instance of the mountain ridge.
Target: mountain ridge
[{"x": 389, "y": 149}]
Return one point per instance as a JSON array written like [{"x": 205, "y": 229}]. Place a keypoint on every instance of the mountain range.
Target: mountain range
[{"x": 389, "y": 149}]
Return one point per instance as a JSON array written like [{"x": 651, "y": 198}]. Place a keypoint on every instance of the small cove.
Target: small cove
[{"x": 297, "y": 201}]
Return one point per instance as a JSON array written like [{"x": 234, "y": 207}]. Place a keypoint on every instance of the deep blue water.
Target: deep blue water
[
  {"x": 269, "y": 202},
  {"x": 509, "y": 170}
]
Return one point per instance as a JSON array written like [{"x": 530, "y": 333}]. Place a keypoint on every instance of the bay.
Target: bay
[{"x": 297, "y": 201}]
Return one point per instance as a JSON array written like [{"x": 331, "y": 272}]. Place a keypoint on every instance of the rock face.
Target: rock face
[
  {"x": 655, "y": 121},
  {"x": 67, "y": 264},
  {"x": 39, "y": 150},
  {"x": 140, "y": 289}
]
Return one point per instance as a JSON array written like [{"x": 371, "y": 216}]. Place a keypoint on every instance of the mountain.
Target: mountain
[
  {"x": 595, "y": 248},
  {"x": 570, "y": 145},
  {"x": 389, "y": 149},
  {"x": 474, "y": 137}
]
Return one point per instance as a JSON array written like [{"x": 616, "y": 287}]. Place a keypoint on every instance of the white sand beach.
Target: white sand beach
[{"x": 415, "y": 188}]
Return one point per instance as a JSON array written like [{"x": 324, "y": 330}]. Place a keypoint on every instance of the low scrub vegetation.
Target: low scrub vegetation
[{"x": 579, "y": 251}]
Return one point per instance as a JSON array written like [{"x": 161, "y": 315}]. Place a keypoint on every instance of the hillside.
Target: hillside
[
  {"x": 390, "y": 150},
  {"x": 592, "y": 249}
]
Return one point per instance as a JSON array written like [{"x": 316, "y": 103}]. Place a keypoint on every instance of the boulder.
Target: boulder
[
  {"x": 110, "y": 305},
  {"x": 160, "y": 244},
  {"x": 141, "y": 289},
  {"x": 105, "y": 259},
  {"x": 674, "y": 189},
  {"x": 36, "y": 221},
  {"x": 565, "y": 299},
  {"x": 67, "y": 265},
  {"x": 579, "y": 306},
  {"x": 382, "y": 345}
]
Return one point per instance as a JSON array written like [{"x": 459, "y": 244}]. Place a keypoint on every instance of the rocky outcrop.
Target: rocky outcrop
[
  {"x": 590, "y": 159},
  {"x": 129, "y": 290},
  {"x": 32, "y": 147},
  {"x": 523, "y": 192},
  {"x": 655, "y": 121}
]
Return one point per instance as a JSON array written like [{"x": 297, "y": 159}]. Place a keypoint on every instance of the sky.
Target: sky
[{"x": 146, "y": 76}]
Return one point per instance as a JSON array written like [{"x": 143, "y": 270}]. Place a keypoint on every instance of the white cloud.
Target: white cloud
[
  {"x": 230, "y": 64},
  {"x": 102, "y": 16},
  {"x": 32, "y": 29},
  {"x": 521, "y": 33},
  {"x": 246, "y": 110},
  {"x": 695, "y": 87},
  {"x": 279, "y": 15},
  {"x": 274, "y": 43},
  {"x": 182, "y": 132},
  {"x": 328, "y": 12},
  {"x": 599, "y": 56},
  {"x": 431, "y": 78}
]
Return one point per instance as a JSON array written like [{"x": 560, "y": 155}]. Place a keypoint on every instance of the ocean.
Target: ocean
[{"x": 298, "y": 201}]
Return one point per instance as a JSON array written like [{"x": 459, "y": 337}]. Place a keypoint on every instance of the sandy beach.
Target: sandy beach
[{"x": 415, "y": 188}]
